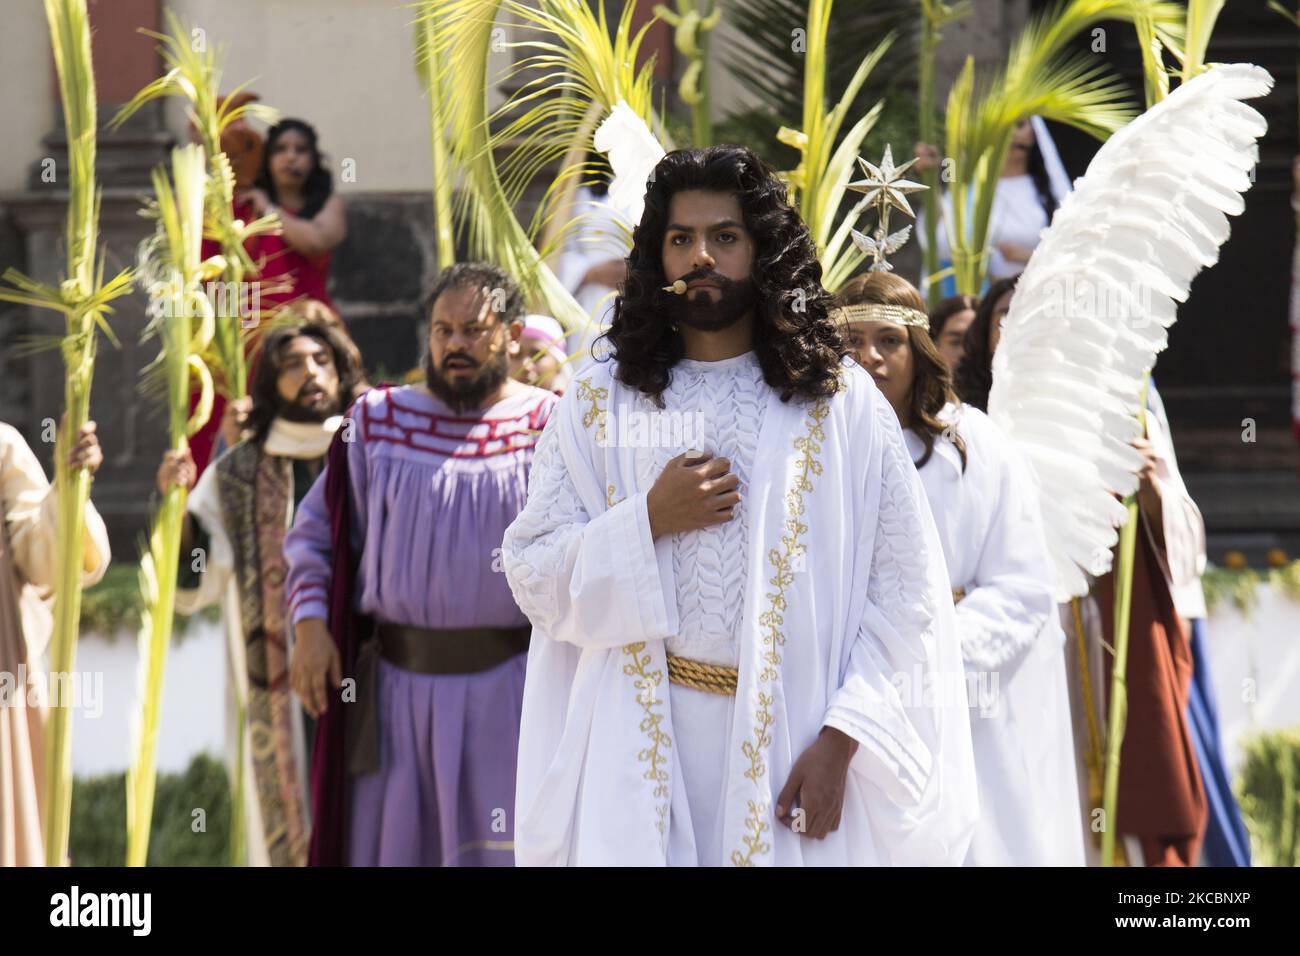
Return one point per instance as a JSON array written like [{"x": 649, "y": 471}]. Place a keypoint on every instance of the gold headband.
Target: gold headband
[{"x": 873, "y": 312}]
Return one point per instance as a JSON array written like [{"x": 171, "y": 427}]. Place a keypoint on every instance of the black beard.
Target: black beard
[
  {"x": 297, "y": 412},
  {"x": 695, "y": 309},
  {"x": 466, "y": 396}
]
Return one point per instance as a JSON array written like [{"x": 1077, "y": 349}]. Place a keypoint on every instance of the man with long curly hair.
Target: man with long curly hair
[
  {"x": 236, "y": 520},
  {"x": 744, "y": 649}
]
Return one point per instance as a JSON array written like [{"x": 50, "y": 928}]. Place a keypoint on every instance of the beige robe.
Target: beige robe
[{"x": 28, "y": 547}]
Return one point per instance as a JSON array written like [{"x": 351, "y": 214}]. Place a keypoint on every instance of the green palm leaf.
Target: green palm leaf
[
  {"x": 1037, "y": 79},
  {"x": 182, "y": 320},
  {"x": 570, "y": 71},
  {"x": 83, "y": 298},
  {"x": 766, "y": 62},
  {"x": 194, "y": 74}
]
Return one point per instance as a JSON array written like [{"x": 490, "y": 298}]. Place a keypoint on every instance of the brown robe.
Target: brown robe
[{"x": 1161, "y": 800}]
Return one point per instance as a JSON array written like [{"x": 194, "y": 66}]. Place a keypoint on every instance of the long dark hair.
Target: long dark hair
[
  {"x": 265, "y": 395},
  {"x": 931, "y": 383},
  {"x": 318, "y": 186},
  {"x": 974, "y": 375},
  {"x": 798, "y": 346},
  {"x": 945, "y": 310}
]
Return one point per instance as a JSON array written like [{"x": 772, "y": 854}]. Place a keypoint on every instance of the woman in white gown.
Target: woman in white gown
[
  {"x": 1032, "y": 184},
  {"x": 987, "y": 514}
]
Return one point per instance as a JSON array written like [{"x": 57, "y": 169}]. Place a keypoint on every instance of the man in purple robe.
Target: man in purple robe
[{"x": 409, "y": 646}]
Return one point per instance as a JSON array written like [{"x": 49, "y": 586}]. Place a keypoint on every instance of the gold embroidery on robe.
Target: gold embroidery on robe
[{"x": 771, "y": 622}]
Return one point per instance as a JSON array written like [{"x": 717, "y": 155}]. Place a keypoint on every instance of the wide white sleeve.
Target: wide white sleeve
[
  {"x": 1010, "y": 599},
  {"x": 904, "y": 698},
  {"x": 31, "y": 516},
  {"x": 204, "y": 508},
  {"x": 594, "y": 582},
  {"x": 1182, "y": 524},
  {"x": 893, "y": 752}
]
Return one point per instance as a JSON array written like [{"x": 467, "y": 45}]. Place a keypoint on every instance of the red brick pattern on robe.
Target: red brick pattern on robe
[{"x": 451, "y": 436}]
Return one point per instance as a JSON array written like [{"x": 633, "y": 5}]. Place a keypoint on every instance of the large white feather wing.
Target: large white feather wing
[
  {"x": 1095, "y": 303},
  {"x": 633, "y": 154}
]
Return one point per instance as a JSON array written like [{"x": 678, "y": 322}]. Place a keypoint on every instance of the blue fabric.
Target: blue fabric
[{"x": 1226, "y": 841}]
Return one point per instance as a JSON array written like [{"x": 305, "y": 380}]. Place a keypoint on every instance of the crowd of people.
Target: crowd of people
[{"x": 737, "y": 582}]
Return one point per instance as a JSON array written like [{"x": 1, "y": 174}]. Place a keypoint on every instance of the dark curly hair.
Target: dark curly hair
[
  {"x": 974, "y": 376},
  {"x": 798, "y": 346},
  {"x": 506, "y": 297},
  {"x": 262, "y": 388}
]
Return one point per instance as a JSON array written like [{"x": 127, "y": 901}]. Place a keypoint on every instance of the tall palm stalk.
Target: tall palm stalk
[
  {"x": 935, "y": 15},
  {"x": 183, "y": 321},
  {"x": 817, "y": 184},
  {"x": 691, "y": 28},
  {"x": 83, "y": 298},
  {"x": 1199, "y": 26},
  {"x": 194, "y": 75},
  {"x": 435, "y": 88}
]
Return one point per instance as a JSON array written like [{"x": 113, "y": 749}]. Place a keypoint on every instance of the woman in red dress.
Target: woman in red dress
[{"x": 293, "y": 266}]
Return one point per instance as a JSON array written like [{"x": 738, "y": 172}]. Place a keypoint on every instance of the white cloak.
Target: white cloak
[
  {"x": 848, "y": 622},
  {"x": 996, "y": 552}
]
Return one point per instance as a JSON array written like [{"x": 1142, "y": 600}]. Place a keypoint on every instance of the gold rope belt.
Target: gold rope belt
[
  {"x": 958, "y": 594},
  {"x": 697, "y": 675}
]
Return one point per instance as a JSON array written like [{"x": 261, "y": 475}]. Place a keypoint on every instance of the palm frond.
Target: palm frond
[
  {"x": 572, "y": 68},
  {"x": 194, "y": 74},
  {"x": 769, "y": 60},
  {"x": 83, "y": 299},
  {"x": 1038, "y": 78},
  {"x": 436, "y": 85},
  {"x": 570, "y": 62},
  {"x": 1201, "y": 18},
  {"x": 817, "y": 184},
  {"x": 182, "y": 320}
]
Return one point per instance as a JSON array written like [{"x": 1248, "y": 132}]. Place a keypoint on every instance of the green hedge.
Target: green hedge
[
  {"x": 1269, "y": 792},
  {"x": 98, "y": 835},
  {"x": 114, "y": 604}
]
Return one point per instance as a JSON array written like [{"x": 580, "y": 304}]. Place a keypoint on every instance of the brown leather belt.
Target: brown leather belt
[
  {"x": 422, "y": 650},
  {"x": 450, "y": 650}
]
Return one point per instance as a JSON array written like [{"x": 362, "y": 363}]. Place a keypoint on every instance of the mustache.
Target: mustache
[
  {"x": 312, "y": 387},
  {"x": 710, "y": 275},
  {"x": 460, "y": 356}
]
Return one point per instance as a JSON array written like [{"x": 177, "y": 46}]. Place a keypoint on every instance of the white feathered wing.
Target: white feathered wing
[
  {"x": 1095, "y": 303},
  {"x": 633, "y": 153}
]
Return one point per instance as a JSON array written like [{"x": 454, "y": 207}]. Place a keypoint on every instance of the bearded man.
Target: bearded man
[
  {"x": 232, "y": 552},
  {"x": 399, "y": 601},
  {"x": 744, "y": 647}
]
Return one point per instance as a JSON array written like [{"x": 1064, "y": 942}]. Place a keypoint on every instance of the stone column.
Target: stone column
[{"x": 32, "y": 222}]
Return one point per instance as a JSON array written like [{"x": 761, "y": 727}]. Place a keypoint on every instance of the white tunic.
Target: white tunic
[
  {"x": 727, "y": 398},
  {"x": 1012, "y": 644},
  {"x": 1018, "y": 217},
  {"x": 844, "y": 620}
]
